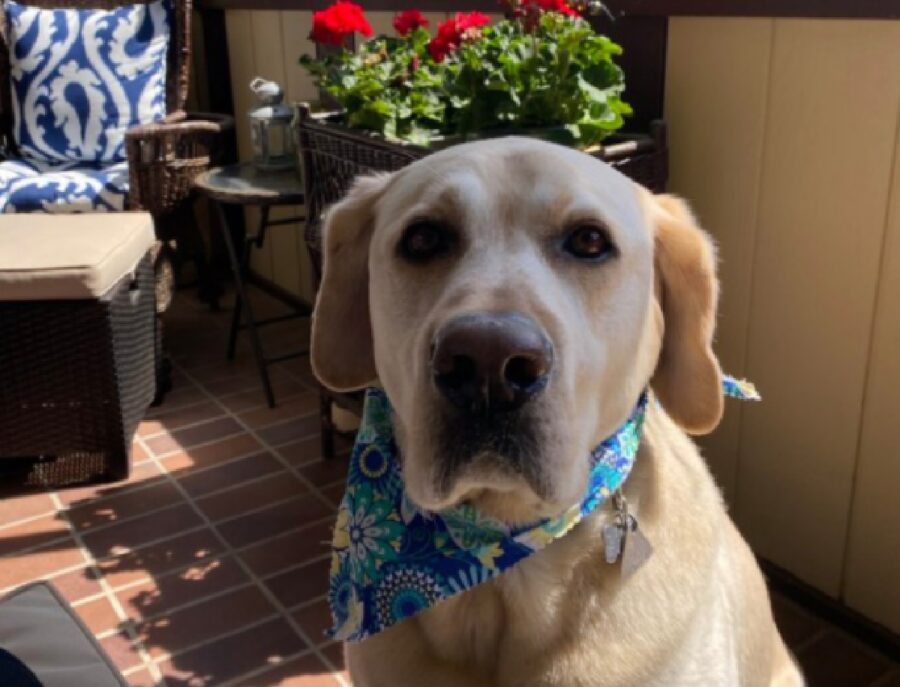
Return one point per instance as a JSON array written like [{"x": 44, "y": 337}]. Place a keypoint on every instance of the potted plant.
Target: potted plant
[{"x": 542, "y": 71}]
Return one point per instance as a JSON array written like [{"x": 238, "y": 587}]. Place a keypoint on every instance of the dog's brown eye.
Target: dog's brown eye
[
  {"x": 589, "y": 242},
  {"x": 424, "y": 240}
]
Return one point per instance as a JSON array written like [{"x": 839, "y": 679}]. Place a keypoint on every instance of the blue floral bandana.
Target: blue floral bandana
[{"x": 391, "y": 559}]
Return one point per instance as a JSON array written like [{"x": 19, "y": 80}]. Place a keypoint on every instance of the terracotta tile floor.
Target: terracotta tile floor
[{"x": 208, "y": 567}]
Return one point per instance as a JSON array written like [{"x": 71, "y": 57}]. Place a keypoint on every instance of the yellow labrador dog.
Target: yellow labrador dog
[{"x": 546, "y": 280}]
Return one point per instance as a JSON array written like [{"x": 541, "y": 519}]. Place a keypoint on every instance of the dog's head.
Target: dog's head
[{"x": 513, "y": 298}]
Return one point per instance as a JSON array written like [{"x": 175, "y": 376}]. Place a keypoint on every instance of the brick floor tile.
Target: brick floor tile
[
  {"x": 206, "y": 620},
  {"x": 120, "y": 650},
  {"x": 111, "y": 509},
  {"x": 98, "y": 615},
  {"x": 324, "y": 473},
  {"x": 174, "y": 590},
  {"x": 300, "y": 368},
  {"x": 225, "y": 369},
  {"x": 264, "y": 524},
  {"x": 335, "y": 653},
  {"x": 191, "y": 436},
  {"x": 182, "y": 394},
  {"x": 142, "y": 678},
  {"x": 290, "y": 549},
  {"x": 302, "y": 584},
  {"x": 199, "y": 484},
  {"x": 247, "y": 497},
  {"x": 305, "y": 404},
  {"x": 795, "y": 624},
  {"x": 37, "y": 564},
  {"x": 230, "y": 657},
  {"x": 309, "y": 450},
  {"x": 128, "y": 535},
  {"x": 315, "y": 620},
  {"x": 303, "y": 451},
  {"x": 78, "y": 584},
  {"x": 157, "y": 559},
  {"x": 210, "y": 454},
  {"x": 246, "y": 380},
  {"x": 334, "y": 493},
  {"x": 305, "y": 671},
  {"x": 32, "y": 533},
  {"x": 139, "y": 475},
  {"x": 300, "y": 428},
  {"x": 284, "y": 390},
  {"x": 174, "y": 419},
  {"x": 13, "y": 508},
  {"x": 138, "y": 452}
]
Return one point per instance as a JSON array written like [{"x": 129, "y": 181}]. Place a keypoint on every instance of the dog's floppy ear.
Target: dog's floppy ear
[
  {"x": 688, "y": 380},
  {"x": 342, "y": 353}
]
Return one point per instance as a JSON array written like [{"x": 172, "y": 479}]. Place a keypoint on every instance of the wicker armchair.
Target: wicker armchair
[{"x": 163, "y": 158}]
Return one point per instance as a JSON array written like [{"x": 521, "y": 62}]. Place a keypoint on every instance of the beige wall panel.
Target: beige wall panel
[
  {"x": 872, "y": 568},
  {"x": 281, "y": 243},
  {"x": 381, "y": 22},
  {"x": 716, "y": 95},
  {"x": 826, "y": 173},
  {"x": 239, "y": 28},
  {"x": 243, "y": 68},
  {"x": 295, "y": 27}
]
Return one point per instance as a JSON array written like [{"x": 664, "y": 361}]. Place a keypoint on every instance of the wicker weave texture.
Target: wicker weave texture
[{"x": 77, "y": 378}]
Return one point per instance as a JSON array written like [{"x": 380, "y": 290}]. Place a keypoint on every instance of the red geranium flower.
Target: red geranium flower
[
  {"x": 452, "y": 32},
  {"x": 560, "y": 6},
  {"x": 332, "y": 25},
  {"x": 409, "y": 20}
]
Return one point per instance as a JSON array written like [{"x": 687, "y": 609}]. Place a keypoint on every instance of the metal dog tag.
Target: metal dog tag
[
  {"x": 636, "y": 551},
  {"x": 613, "y": 535}
]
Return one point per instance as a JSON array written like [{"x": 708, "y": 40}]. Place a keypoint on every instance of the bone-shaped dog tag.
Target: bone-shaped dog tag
[
  {"x": 613, "y": 534},
  {"x": 637, "y": 549}
]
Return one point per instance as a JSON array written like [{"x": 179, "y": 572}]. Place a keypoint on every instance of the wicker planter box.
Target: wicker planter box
[
  {"x": 78, "y": 375},
  {"x": 334, "y": 155}
]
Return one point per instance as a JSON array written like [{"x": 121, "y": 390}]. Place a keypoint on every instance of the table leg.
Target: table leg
[
  {"x": 243, "y": 303},
  {"x": 247, "y": 243}
]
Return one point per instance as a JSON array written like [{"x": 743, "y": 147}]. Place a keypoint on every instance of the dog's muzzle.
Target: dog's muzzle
[{"x": 491, "y": 362}]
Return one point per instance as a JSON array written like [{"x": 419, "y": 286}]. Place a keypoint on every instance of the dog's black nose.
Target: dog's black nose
[{"x": 491, "y": 361}]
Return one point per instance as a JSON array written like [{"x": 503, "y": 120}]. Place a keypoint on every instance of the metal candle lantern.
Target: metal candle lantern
[{"x": 271, "y": 128}]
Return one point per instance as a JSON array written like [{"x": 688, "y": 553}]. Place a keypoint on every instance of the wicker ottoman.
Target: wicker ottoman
[{"x": 79, "y": 346}]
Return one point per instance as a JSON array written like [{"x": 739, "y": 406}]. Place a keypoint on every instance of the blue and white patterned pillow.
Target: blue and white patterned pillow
[{"x": 82, "y": 77}]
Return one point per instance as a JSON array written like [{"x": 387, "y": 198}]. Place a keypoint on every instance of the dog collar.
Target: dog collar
[{"x": 392, "y": 560}]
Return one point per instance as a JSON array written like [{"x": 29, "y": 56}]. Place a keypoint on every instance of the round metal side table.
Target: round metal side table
[{"x": 244, "y": 185}]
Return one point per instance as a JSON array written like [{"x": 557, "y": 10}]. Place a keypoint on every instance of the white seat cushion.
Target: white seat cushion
[{"x": 66, "y": 257}]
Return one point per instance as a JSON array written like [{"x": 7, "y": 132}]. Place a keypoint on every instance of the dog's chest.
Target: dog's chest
[
  {"x": 467, "y": 629},
  {"x": 517, "y": 614}
]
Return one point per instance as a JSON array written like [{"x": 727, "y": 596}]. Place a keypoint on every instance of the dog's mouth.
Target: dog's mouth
[{"x": 490, "y": 460}]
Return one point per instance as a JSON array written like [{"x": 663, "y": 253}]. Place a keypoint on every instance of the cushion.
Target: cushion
[
  {"x": 44, "y": 644},
  {"x": 55, "y": 257},
  {"x": 27, "y": 186},
  {"x": 81, "y": 77}
]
